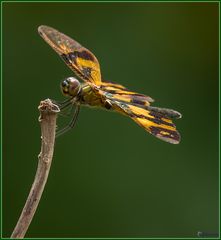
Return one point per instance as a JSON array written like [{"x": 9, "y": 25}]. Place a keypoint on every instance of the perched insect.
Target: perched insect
[{"x": 106, "y": 95}]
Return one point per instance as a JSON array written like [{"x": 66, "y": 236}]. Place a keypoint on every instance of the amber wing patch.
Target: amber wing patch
[{"x": 78, "y": 58}]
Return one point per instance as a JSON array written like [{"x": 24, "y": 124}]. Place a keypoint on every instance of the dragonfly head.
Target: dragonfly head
[{"x": 70, "y": 87}]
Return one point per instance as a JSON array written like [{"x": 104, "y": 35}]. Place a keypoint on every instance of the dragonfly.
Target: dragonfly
[{"x": 93, "y": 91}]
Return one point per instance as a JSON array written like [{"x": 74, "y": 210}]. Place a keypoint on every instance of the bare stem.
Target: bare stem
[{"x": 47, "y": 119}]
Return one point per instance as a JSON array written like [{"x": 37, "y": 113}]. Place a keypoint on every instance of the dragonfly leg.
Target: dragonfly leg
[
  {"x": 67, "y": 112},
  {"x": 63, "y": 104},
  {"x": 71, "y": 124}
]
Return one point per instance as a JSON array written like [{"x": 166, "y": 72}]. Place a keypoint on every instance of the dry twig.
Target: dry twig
[{"x": 47, "y": 119}]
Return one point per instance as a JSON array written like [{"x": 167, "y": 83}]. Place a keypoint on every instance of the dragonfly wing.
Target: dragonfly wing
[
  {"x": 118, "y": 92},
  {"x": 154, "y": 122},
  {"x": 78, "y": 58}
]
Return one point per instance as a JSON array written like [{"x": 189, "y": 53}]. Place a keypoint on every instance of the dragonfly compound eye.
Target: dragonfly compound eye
[{"x": 70, "y": 87}]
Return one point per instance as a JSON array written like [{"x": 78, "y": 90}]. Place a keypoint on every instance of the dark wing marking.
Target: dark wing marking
[
  {"x": 170, "y": 113},
  {"x": 78, "y": 58}
]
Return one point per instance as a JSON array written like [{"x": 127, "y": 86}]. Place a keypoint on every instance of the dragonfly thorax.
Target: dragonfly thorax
[{"x": 70, "y": 87}]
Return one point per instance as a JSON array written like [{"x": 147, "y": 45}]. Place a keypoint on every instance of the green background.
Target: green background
[{"x": 109, "y": 178}]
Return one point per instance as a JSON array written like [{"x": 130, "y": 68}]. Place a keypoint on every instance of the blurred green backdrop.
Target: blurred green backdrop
[{"x": 109, "y": 178}]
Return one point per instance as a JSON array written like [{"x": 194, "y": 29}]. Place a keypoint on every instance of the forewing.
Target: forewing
[
  {"x": 78, "y": 58},
  {"x": 118, "y": 92},
  {"x": 152, "y": 121}
]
